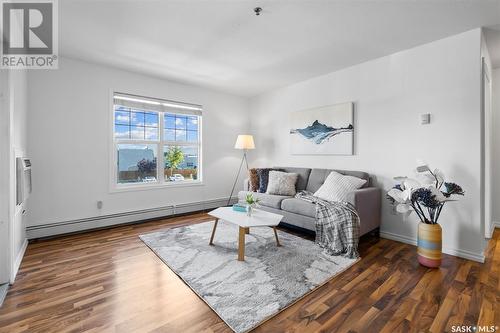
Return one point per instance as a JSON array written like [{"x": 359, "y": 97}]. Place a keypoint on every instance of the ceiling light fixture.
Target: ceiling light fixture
[{"x": 257, "y": 10}]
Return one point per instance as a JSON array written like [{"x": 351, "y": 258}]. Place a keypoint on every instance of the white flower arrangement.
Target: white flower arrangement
[{"x": 425, "y": 194}]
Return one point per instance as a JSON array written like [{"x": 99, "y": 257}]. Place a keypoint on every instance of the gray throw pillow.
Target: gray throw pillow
[{"x": 282, "y": 183}]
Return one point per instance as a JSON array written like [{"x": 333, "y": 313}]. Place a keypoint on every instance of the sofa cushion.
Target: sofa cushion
[
  {"x": 281, "y": 183},
  {"x": 337, "y": 187},
  {"x": 298, "y": 206},
  {"x": 318, "y": 176},
  {"x": 269, "y": 200},
  {"x": 303, "y": 176},
  {"x": 296, "y": 220}
]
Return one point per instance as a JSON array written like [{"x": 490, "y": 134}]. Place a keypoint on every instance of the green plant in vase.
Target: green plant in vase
[{"x": 251, "y": 203}]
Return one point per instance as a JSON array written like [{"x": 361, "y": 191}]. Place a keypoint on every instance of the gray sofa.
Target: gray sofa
[{"x": 300, "y": 213}]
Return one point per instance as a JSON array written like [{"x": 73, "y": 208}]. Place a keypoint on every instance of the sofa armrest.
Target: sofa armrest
[
  {"x": 246, "y": 184},
  {"x": 367, "y": 202}
]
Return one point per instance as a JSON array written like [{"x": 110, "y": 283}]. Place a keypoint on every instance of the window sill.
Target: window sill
[{"x": 147, "y": 187}]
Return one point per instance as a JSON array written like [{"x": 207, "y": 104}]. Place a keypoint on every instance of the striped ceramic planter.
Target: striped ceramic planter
[{"x": 429, "y": 245}]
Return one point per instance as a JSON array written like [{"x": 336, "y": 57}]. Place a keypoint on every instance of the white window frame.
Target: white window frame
[{"x": 160, "y": 143}]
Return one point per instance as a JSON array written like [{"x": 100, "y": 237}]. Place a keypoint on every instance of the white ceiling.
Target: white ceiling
[{"x": 223, "y": 45}]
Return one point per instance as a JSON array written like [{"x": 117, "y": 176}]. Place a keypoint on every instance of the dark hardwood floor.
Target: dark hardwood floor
[{"x": 109, "y": 281}]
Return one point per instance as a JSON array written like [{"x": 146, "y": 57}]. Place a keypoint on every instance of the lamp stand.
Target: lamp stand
[{"x": 244, "y": 158}]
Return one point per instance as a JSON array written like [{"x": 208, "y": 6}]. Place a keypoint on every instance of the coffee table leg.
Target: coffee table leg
[
  {"x": 241, "y": 244},
  {"x": 213, "y": 232},
  {"x": 276, "y": 235}
]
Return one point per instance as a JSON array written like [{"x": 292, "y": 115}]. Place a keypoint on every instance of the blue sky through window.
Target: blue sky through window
[
  {"x": 136, "y": 124},
  {"x": 180, "y": 128}
]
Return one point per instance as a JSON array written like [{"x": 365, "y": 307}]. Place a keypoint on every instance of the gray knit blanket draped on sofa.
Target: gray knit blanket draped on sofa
[{"x": 337, "y": 225}]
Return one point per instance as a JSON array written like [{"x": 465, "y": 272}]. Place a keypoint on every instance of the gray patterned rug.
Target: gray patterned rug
[{"x": 244, "y": 293}]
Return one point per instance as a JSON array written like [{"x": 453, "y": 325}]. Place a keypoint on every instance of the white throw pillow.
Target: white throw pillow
[
  {"x": 337, "y": 187},
  {"x": 281, "y": 183}
]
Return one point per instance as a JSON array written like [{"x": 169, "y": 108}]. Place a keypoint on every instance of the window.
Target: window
[
  {"x": 155, "y": 142},
  {"x": 135, "y": 124}
]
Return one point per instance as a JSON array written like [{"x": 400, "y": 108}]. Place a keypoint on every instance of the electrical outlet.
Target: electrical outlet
[{"x": 99, "y": 204}]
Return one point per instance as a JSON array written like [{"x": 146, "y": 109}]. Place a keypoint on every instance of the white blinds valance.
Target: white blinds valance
[{"x": 156, "y": 104}]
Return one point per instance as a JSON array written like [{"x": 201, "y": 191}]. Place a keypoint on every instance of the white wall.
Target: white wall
[
  {"x": 69, "y": 131},
  {"x": 441, "y": 78},
  {"x": 496, "y": 146}
]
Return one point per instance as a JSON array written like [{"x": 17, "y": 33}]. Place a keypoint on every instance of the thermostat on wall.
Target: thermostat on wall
[{"x": 425, "y": 118}]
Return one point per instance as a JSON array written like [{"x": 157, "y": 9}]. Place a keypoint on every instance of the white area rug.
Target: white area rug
[{"x": 245, "y": 293}]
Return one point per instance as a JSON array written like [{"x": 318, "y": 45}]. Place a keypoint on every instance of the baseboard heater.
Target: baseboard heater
[{"x": 96, "y": 222}]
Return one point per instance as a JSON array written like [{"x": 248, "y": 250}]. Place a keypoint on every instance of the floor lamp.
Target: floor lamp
[{"x": 244, "y": 142}]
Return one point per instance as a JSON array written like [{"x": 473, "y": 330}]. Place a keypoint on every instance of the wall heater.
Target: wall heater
[{"x": 23, "y": 179}]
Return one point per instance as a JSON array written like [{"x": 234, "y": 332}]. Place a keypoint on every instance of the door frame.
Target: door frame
[
  {"x": 5, "y": 181},
  {"x": 487, "y": 122}
]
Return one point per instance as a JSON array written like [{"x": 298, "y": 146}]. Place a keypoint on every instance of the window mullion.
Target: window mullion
[
  {"x": 181, "y": 143},
  {"x": 161, "y": 164},
  {"x": 115, "y": 163},
  {"x": 137, "y": 142}
]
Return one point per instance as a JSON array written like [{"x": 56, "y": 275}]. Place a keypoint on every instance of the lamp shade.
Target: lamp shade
[{"x": 244, "y": 142}]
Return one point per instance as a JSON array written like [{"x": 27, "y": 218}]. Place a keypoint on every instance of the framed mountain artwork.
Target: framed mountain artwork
[{"x": 326, "y": 130}]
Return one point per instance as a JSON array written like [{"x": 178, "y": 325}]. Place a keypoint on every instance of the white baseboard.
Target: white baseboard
[
  {"x": 398, "y": 238},
  {"x": 17, "y": 263},
  {"x": 65, "y": 227},
  {"x": 454, "y": 252},
  {"x": 493, "y": 225}
]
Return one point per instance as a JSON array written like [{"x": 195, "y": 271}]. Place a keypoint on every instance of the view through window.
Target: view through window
[{"x": 156, "y": 141}]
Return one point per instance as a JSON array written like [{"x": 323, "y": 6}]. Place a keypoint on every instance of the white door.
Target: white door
[{"x": 5, "y": 151}]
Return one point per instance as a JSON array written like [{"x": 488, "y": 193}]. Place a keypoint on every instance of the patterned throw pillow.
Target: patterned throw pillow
[
  {"x": 264, "y": 178},
  {"x": 337, "y": 187},
  {"x": 253, "y": 179},
  {"x": 282, "y": 183}
]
